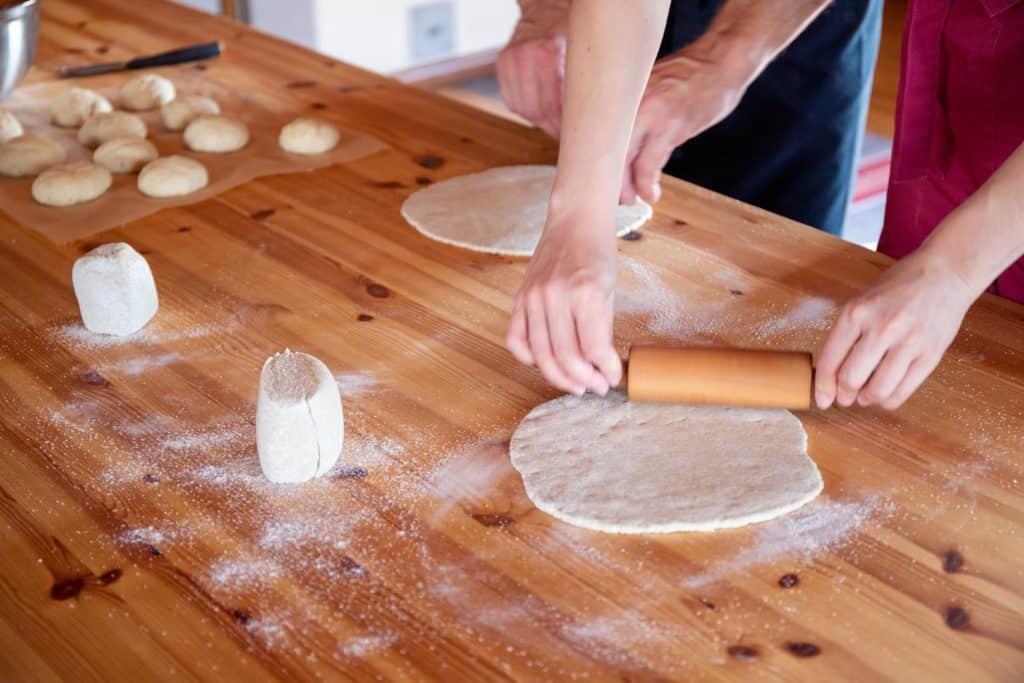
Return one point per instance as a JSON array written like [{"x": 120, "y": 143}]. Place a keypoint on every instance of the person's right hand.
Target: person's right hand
[
  {"x": 530, "y": 74},
  {"x": 562, "y": 316}
]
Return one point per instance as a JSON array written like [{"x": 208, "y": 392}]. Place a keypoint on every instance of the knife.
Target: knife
[{"x": 192, "y": 53}]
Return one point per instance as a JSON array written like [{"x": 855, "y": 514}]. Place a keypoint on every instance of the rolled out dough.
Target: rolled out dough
[
  {"x": 610, "y": 465},
  {"x": 497, "y": 211}
]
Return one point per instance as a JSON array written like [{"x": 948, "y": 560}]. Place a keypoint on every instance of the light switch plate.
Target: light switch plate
[{"x": 431, "y": 31}]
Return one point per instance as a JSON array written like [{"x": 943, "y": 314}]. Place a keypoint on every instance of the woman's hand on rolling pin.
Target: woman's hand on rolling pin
[
  {"x": 562, "y": 316},
  {"x": 887, "y": 340}
]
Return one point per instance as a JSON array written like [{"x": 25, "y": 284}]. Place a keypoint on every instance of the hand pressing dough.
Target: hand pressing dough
[
  {"x": 172, "y": 176},
  {"x": 610, "y": 465},
  {"x": 308, "y": 136},
  {"x": 74, "y": 106},
  {"x": 115, "y": 289},
  {"x": 29, "y": 154},
  {"x": 107, "y": 126},
  {"x": 299, "y": 422},
  {"x": 125, "y": 155},
  {"x": 216, "y": 134},
  {"x": 182, "y": 111},
  {"x": 70, "y": 184},
  {"x": 146, "y": 92},
  {"x": 10, "y": 126},
  {"x": 498, "y": 211}
]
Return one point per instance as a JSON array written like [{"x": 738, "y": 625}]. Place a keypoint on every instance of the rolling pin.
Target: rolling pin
[{"x": 732, "y": 377}]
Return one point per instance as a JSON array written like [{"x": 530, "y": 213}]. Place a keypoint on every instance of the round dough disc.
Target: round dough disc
[
  {"x": 611, "y": 465},
  {"x": 172, "y": 176},
  {"x": 29, "y": 154},
  {"x": 308, "y": 136},
  {"x": 74, "y": 106},
  {"x": 146, "y": 92},
  {"x": 216, "y": 134},
  {"x": 106, "y": 126},
  {"x": 125, "y": 155},
  {"x": 70, "y": 184},
  {"x": 498, "y": 211}
]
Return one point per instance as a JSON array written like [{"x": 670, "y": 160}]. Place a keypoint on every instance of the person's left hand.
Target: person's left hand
[
  {"x": 888, "y": 339},
  {"x": 685, "y": 95}
]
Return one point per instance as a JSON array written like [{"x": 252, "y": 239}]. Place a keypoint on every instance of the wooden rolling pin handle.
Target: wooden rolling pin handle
[{"x": 732, "y": 377}]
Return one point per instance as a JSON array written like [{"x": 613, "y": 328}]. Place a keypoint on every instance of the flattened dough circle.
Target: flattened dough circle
[
  {"x": 497, "y": 211},
  {"x": 610, "y": 465}
]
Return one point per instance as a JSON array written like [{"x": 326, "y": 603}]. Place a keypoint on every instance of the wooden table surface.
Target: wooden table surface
[{"x": 139, "y": 541}]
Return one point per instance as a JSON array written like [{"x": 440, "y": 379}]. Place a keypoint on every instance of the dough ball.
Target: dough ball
[
  {"x": 74, "y": 106},
  {"x": 308, "y": 136},
  {"x": 172, "y": 176},
  {"x": 182, "y": 111},
  {"x": 10, "y": 126},
  {"x": 299, "y": 422},
  {"x": 115, "y": 289},
  {"x": 69, "y": 184},
  {"x": 29, "y": 154},
  {"x": 216, "y": 134},
  {"x": 146, "y": 92},
  {"x": 125, "y": 155},
  {"x": 100, "y": 128}
]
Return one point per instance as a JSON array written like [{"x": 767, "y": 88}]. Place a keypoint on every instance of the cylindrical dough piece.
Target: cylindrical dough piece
[
  {"x": 10, "y": 126},
  {"x": 172, "y": 176},
  {"x": 299, "y": 422},
  {"x": 125, "y": 155},
  {"x": 29, "y": 154},
  {"x": 115, "y": 289},
  {"x": 216, "y": 134},
  {"x": 74, "y": 106},
  {"x": 182, "y": 111},
  {"x": 100, "y": 128},
  {"x": 308, "y": 136},
  {"x": 70, "y": 184},
  {"x": 146, "y": 92}
]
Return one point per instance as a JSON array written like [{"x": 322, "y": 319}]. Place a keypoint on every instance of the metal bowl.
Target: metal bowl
[{"x": 19, "y": 28}]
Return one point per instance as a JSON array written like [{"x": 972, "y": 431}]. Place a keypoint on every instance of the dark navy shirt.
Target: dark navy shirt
[{"x": 791, "y": 145}]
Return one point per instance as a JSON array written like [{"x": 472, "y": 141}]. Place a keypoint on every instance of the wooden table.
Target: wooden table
[{"x": 138, "y": 539}]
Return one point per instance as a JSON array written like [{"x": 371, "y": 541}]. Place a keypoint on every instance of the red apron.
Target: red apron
[{"x": 959, "y": 115}]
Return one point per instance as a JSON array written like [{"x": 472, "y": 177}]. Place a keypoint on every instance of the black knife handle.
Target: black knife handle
[{"x": 192, "y": 53}]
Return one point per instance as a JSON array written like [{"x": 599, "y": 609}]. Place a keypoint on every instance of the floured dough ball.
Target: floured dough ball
[
  {"x": 70, "y": 184},
  {"x": 216, "y": 134},
  {"x": 106, "y": 126},
  {"x": 115, "y": 289},
  {"x": 308, "y": 136},
  {"x": 74, "y": 106},
  {"x": 29, "y": 154},
  {"x": 125, "y": 155},
  {"x": 299, "y": 422},
  {"x": 10, "y": 126},
  {"x": 182, "y": 111},
  {"x": 146, "y": 92},
  {"x": 172, "y": 176}
]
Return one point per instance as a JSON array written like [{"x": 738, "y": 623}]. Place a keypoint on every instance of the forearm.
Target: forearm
[
  {"x": 985, "y": 235},
  {"x": 749, "y": 34},
  {"x": 540, "y": 19},
  {"x": 611, "y": 48}
]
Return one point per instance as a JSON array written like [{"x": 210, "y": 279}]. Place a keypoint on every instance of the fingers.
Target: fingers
[
  {"x": 918, "y": 371},
  {"x": 887, "y": 376},
  {"x": 627, "y": 195},
  {"x": 594, "y": 327},
  {"x": 565, "y": 344},
  {"x": 530, "y": 80},
  {"x": 516, "y": 339},
  {"x": 841, "y": 339},
  {"x": 855, "y": 371},
  {"x": 540, "y": 346},
  {"x": 647, "y": 165}
]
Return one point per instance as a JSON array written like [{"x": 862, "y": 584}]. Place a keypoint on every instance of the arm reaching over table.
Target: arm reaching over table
[
  {"x": 562, "y": 315},
  {"x": 890, "y": 338}
]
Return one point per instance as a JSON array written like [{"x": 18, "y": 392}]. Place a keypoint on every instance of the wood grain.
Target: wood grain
[{"x": 138, "y": 539}]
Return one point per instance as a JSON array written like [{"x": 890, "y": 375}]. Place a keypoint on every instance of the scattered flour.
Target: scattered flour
[
  {"x": 361, "y": 646},
  {"x": 814, "y": 313},
  {"x": 355, "y": 383}
]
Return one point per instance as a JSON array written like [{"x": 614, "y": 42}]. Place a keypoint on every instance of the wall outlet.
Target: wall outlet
[{"x": 431, "y": 31}]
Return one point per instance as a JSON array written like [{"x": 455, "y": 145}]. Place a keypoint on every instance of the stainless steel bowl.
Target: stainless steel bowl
[{"x": 19, "y": 28}]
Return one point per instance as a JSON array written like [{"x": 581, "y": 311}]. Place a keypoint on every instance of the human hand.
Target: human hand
[
  {"x": 686, "y": 94},
  {"x": 531, "y": 72},
  {"x": 888, "y": 339},
  {"x": 562, "y": 316}
]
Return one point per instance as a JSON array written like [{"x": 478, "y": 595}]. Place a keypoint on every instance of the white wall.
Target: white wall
[{"x": 374, "y": 34}]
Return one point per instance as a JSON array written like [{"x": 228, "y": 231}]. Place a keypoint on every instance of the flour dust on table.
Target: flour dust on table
[
  {"x": 497, "y": 211},
  {"x": 611, "y": 465}
]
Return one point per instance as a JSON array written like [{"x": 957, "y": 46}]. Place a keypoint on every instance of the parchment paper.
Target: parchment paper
[{"x": 123, "y": 202}]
